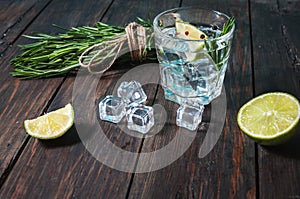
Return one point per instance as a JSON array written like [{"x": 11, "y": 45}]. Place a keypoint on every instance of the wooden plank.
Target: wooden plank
[
  {"x": 73, "y": 172},
  {"x": 272, "y": 67},
  {"x": 140, "y": 9},
  {"x": 28, "y": 99},
  {"x": 228, "y": 171},
  {"x": 12, "y": 24},
  {"x": 276, "y": 48},
  {"x": 13, "y": 94}
]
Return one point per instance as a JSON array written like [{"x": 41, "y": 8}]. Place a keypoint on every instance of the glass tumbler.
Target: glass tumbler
[{"x": 192, "y": 69}]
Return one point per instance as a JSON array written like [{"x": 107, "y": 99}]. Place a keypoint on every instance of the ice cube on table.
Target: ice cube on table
[
  {"x": 140, "y": 118},
  {"x": 189, "y": 115},
  {"x": 131, "y": 92},
  {"x": 112, "y": 109}
]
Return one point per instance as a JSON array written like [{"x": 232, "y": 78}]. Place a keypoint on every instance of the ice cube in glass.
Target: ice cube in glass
[
  {"x": 131, "y": 92},
  {"x": 140, "y": 118},
  {"x": 112, "y": 109},
  {"x": 192, "y": 68},
  {"x": 189, "y": 115}
]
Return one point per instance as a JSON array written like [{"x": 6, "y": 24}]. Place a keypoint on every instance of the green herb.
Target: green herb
[
  {"x": 227, "y": 26},
  {"x": 219, "y": 54},
  {"x": 53, "y": 55}
]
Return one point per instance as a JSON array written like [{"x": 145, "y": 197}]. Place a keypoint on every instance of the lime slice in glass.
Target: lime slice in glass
[{"x": 187, "y": 31}]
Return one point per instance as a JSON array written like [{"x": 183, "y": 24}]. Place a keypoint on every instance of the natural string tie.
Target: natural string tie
[{"x": 104, "y": 54}]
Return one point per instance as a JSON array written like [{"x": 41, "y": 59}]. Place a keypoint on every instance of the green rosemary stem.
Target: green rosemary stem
[
  {"x": 219, "y": 55},
  {"x": 53, "y": 55}
]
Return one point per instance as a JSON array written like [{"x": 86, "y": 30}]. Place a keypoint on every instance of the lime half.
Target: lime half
[
  {"x": 51, "y": 125},
  {"x": 271, "y": 118}
]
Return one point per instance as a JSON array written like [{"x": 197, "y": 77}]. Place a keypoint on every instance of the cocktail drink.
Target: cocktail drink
[{"x": 193, "y": 47}]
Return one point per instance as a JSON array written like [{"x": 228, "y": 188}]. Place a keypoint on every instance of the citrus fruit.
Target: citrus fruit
[
  {"x": 271, "y": 118},
  {"x": 51, "y": 125},
  {"x": 185, "y": 30}
]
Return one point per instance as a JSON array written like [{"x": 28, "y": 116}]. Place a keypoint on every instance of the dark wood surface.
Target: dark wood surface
[{"x": 265, "y": 57}]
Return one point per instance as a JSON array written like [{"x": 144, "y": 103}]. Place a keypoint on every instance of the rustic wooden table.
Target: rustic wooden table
[{"x": 265, "y": 57}]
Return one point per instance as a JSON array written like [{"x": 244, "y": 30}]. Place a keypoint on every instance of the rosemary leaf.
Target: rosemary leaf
[
  {"x": 219, "y": 55},
  {"x": 52, "y": 55}
]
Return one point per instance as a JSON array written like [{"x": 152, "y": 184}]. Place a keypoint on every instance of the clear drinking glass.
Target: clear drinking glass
[{"x": 192, "y": 69}]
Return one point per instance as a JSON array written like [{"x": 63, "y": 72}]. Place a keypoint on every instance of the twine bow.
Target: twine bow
[{"x": 104, "y": 54}]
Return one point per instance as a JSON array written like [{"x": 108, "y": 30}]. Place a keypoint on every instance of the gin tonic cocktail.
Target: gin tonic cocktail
[{"x": 193, "y": 47}]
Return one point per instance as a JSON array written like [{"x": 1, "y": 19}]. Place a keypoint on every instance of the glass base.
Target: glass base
[{"x": 169, "y": 95}]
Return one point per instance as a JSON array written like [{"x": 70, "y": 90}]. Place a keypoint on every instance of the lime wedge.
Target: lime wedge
[
  {"x": 51, "y": 125},
  {"x": 270, "y": 119}
]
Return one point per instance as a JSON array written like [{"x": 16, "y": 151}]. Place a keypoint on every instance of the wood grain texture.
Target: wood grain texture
[
  {"x": 79, "y": 173},
  {"x": 276, "y": 48},
  {"x": 264, "y": 57},
  {"x": 72, "y": 172},
  {"x": 21, "y": 100},
  {"x": 228, "y": 171},
  {"x": 12, "y": 24}
]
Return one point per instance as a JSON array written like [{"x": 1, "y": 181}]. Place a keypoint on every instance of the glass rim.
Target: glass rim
[{"x": 158, "y": 30}]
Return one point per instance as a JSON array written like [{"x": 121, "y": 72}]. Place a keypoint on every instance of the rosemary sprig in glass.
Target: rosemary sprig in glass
[
  {"x": 218, "y": 54},
  {"x": 53, "y": 55}
]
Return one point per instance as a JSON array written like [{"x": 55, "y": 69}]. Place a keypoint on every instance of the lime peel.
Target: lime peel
[
  {"x": 51, "y": 125},
  {"x": 185, "y": 30},
  {"x": 276, "y": 120}
]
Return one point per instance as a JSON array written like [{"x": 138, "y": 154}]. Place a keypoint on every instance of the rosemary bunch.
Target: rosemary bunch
[
  {"x": 217, "y": 53},
  {"x": 52, "y": 55}
]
